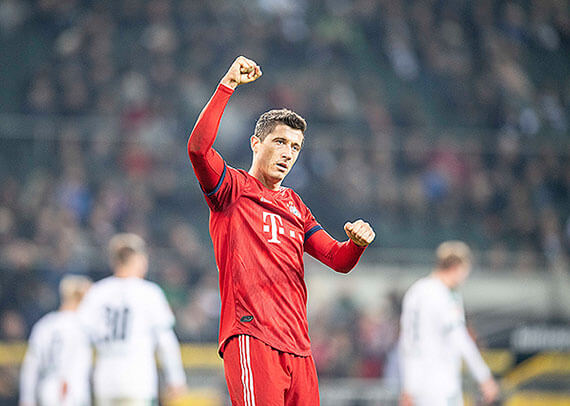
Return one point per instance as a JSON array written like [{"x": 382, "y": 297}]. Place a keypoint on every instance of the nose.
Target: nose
[{"x": 287, "y": 153}]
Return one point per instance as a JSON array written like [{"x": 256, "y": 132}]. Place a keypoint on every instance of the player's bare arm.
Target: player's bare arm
[
  {"x": 242, "y": 70},
  {"x": 360, "y": 232}
]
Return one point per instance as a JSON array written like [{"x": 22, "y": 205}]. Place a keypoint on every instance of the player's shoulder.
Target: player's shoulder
[
  {"x": 100, "y": 288},
  {"x": 424, "y": 286},
  {"x": 46, "y": 321},
  {"x": 104, "y": 288},
  {"x": 118, "y": 282},
  {"x": 290, "y": 193},
  {"x": 147, "y": 288},
  {"x": 102, "y": 283},
  {"x": 46, "y": 324},
  {"x": 417, "y": 285},
  {"x": 140, "y": 285},
  {"x": 240, "y": 176},
  {"x": 150, "y": 293},
  {"x": 150, "y": 285},
  {"x": 242, "y": 173}
]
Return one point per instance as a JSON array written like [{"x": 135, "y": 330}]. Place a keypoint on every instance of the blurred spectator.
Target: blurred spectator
[{"x": 12, "y": 326}]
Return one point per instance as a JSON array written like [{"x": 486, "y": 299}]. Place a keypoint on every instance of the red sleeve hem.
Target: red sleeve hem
[{"x": 226, "y": 89}]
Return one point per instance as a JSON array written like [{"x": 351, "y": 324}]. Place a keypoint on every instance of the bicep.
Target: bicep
[
  {"x": 410, "y": 325},
  {"x": 163, "y": 318},
  {"x": 227, "y": 189},
  {"x": 460, "y": 337},
  {"x": 209, "y": 169},
  {"x": 88, "y": 317},
  {"x": 319, "y": 244},
  {"x": 29, "y": 372}
]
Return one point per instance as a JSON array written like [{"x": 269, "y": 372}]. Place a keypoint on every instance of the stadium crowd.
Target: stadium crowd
[{"x": 431, "y": 119}]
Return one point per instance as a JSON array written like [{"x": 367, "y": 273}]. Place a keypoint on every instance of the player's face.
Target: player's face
[
  {"x": 277, "y": 153},
  {"x": 461, "y": 273}
]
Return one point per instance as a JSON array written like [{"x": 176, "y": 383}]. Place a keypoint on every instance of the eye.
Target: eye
[
  {"x": 296, "y": 148},
  {"x": 279, "y": 141}
]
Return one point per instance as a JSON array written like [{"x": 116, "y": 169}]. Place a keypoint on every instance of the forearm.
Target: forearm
[
  {"x": 77, "y": 360},
  {"x": 207, "y": 163},
  {"x": 410, "y": 378},
  {"x": 410, "y": 370},
  {"x": 28, "y": 380},
  {"x": 471, "y": 354},
  {"x": 171, "y": 361},
  {"x": 340, "y": 256}
]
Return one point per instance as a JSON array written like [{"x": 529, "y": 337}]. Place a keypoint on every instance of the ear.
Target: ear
[{"x": 254, "y": 142}]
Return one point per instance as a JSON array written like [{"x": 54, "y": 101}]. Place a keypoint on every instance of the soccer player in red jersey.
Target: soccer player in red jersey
[{"x": 260, "y": 231}]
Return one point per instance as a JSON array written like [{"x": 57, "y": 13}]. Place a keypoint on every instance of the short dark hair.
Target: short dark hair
[
  {"x": 270, "y": 119},
  {"x": 123, "y": 246}
]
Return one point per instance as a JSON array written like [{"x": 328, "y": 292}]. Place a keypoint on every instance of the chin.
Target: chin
[{"x": 278, "y": 178}]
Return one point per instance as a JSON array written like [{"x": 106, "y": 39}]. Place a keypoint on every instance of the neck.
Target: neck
[
  {"x": 269, "y": 183},
  {"x": 68, "y": 306},
  {"x": 444, "y": 277},
  {"x": 125, "y": 273}
]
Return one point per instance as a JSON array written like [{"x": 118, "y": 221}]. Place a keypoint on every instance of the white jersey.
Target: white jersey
[
  {"x": 433, "y": 340},
  {"x": 125, "y": 318},
  {"x": 57, "y": 364}
]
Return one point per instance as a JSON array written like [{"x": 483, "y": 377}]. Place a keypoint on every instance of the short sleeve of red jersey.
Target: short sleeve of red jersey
[{"x": 227, "y": 190}]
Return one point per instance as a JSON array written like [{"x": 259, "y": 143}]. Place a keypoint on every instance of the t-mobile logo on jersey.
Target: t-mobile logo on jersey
[
  {"x": 273, "y": 223},
  {"x": 275, "y": 226}
]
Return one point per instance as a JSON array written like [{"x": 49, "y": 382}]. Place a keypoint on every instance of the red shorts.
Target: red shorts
[{"x": 259, "y": 375}]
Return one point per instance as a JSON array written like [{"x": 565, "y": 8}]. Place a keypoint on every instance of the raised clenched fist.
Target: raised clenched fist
[{"x": 243, "y": 70}]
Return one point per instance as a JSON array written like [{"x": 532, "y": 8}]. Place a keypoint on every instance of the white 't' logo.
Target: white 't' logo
[{"x": 275, "y": 226}]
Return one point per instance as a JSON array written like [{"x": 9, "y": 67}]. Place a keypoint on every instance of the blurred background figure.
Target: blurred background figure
[
  {"x": 57, "y": 365},
  {"x": 128, "y": 319},
  {"x": 434, "y": 338}
]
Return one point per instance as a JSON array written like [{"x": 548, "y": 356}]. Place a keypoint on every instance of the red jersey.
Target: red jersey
[{"x": 259, "y": 237}]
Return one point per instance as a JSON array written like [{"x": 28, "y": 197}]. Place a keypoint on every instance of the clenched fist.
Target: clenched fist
[
  {"x": 360, "y": 232},
  {"x": 243, "y": 70}
]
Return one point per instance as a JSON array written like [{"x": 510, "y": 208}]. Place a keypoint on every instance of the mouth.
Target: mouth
[{"x": 282, "y": 167}]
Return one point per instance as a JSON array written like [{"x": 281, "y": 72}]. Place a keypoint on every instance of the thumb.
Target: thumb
[{"x": 348, "y": 226}]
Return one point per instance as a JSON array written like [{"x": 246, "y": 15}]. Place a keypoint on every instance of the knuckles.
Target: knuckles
[{"x": 361, "y": 231}]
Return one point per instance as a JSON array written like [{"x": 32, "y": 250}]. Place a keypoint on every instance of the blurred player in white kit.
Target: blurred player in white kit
[
  {"x": 128, "y": 319},
  {"x": 56, "y": 368},
  {"x": 434, "y": 339}
]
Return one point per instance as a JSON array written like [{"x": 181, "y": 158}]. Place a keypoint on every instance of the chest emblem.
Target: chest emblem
[{"x": 294, "y": 210}]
